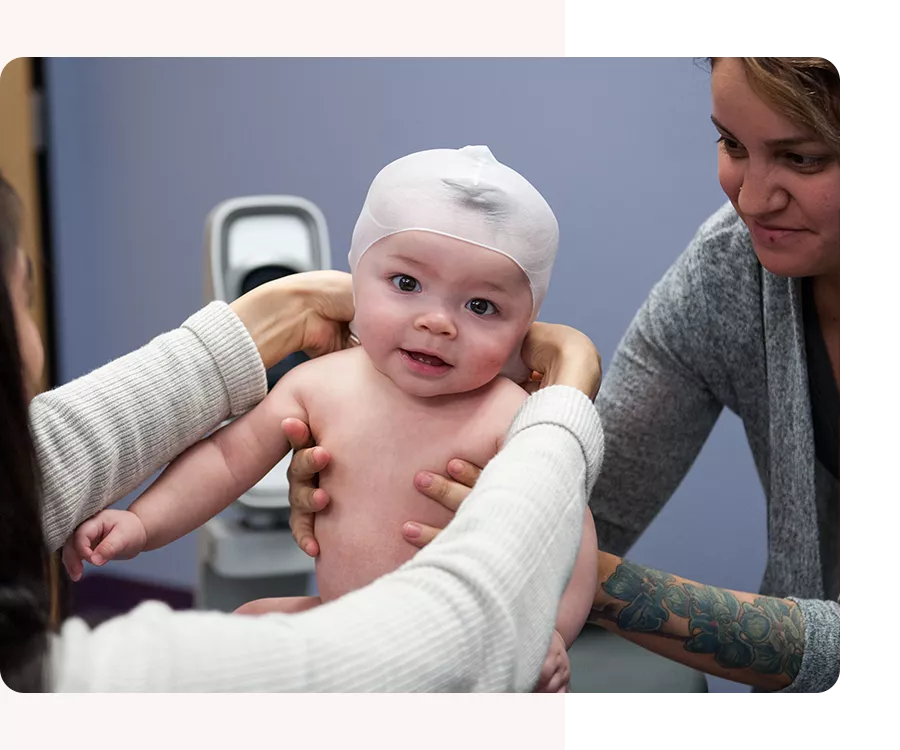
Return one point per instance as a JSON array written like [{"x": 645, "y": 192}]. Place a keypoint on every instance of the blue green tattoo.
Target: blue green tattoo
[{"x": 765, "y": 635}]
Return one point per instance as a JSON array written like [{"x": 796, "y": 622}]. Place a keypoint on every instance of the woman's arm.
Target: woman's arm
[
  {"x": 473, "y": 612},
  {"x": 758, "y": 640},
  {"x": 656, "y": 406},
  {"x": 98, "y": 437}
]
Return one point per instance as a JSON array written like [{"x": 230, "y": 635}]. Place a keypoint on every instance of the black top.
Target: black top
[
  {"x": 823, "y": 388},
  {"x": 825, "y": 402}
]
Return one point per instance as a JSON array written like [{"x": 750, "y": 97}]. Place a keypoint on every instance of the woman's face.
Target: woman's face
[
  {"x": 783, "y": 181},
  {"x": 20, "y": 279}
]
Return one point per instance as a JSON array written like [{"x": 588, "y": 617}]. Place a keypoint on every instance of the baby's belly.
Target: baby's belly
[{"x": 360, "y": 533}]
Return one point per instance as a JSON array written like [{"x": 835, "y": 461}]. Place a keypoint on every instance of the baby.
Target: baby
[{"x": 451, "y": 259}]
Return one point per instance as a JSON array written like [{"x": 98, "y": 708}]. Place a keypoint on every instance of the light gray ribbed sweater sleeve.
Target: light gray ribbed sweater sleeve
[
  {"x": 98, "y": 437},
  {"x": 821, "y": 665},
  {"x": 472, "y": 612}
]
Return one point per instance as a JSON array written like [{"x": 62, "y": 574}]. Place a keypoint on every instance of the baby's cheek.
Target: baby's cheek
[
  {"x": 374, "y": 327},
  {"x": 492, "y": 360}
]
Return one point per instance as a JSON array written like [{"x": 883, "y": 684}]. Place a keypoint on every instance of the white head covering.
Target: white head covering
[{"x": 466, "y": 194}]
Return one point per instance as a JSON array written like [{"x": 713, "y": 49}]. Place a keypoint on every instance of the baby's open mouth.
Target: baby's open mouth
[{"x": 426, "y": 359}]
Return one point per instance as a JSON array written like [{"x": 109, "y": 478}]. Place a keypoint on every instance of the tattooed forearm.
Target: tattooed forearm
[{"x": 764, "y": 634}]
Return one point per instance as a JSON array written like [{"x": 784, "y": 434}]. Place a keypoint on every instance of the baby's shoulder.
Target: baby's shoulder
[
  {"x": 507, "y": 392},
  {"x": 502, "y": 400},
  {"x": 335, "y": 368},
  {"x": 328, "y": 379}
]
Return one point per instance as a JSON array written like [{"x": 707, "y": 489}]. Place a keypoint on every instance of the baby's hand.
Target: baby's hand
[
  {"x": 556, "y": 671},
  {"x": 110, "y": 535}
]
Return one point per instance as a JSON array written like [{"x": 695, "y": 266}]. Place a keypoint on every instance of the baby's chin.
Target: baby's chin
[{"x": 437, "y": 388}]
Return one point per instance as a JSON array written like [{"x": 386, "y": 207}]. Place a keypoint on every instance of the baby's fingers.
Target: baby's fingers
[
  {"x": 557, "y": 683},
  {"x": 116, "y": 545},
  {"x": 86, "y": 536},
  {"x": 72, "y": 560}
]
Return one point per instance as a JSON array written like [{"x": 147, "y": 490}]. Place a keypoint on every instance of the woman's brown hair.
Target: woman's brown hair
[
  {"x": 806, "y": 90},
  {"x": 24, "y": 591}
]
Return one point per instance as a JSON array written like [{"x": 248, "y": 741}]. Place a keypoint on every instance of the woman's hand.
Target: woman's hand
[
  {"x": 563, "y": 356},
  {"x": 307, "y": 498},
  {"x": 559, "y": 355},
  {"x": 448, "y": 492},
  {"x": 304, "y": 494},
  {"x": 306, "y": 312}
]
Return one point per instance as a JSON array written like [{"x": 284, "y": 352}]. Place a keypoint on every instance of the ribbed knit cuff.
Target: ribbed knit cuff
[
  {"x": 821, "y": 665},
  {"x": 570, "y": 409},
  {"x": 236, "y": 357}
]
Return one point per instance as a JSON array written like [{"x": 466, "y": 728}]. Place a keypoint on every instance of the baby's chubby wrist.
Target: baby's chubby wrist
[{"x": 137, "y": 531}]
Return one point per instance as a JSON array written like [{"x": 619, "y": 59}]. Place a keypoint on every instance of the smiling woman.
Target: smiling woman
[
  {"x": 747, "y": 319},
  {"x": 779, "y": 167}
]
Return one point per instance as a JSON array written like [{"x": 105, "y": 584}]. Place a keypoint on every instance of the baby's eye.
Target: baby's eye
[
  {"x": 406, "y": 283},
  {"x": 481, "y": 307}
]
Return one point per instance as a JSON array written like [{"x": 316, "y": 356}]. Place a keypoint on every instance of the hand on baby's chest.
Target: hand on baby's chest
[
  {"x": 379, "y": 438},
  {"x": 378, "y": 445},
  {"x": 376, "y": 449}
]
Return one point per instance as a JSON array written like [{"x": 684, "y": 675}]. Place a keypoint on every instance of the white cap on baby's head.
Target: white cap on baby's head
[{"x": 466, "y": 194}]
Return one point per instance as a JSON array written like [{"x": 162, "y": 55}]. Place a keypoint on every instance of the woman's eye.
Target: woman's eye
[
  {"x": 806, "y": 163},
  {"x": 481, "y": 307},
  {"x": 730, "y": 145},
  {"x": 406, "y": 283}
]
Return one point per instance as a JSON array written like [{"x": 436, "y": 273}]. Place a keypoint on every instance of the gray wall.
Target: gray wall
[{"x": 622, "y": 149}]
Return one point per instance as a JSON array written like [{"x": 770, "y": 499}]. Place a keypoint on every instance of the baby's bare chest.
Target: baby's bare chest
[
  {"x": 387, "y": 440},
  {"x": 378, "y": 441}
]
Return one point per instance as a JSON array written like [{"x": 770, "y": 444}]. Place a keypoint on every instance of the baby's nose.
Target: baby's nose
[{"x": 436, "y": 322}]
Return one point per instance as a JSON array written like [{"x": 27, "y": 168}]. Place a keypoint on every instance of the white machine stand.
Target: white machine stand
[{"x": 247, "y": 551}]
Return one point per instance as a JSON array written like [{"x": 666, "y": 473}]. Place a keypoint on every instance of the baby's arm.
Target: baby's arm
[
  {"x": 574, "y": 608},
  {"x": 197, "y": 485},
  {"x": 575, "y": 605},
  {"x": 215, "y": 472}
]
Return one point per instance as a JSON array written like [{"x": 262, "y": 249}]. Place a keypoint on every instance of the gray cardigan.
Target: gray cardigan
[{"x": 719, "y": 330}]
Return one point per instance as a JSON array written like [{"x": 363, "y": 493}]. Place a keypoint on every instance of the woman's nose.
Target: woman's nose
[{"x": 760, "y": 194}]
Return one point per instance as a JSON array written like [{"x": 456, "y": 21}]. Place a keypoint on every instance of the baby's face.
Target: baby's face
[{"x": 439, "y": 315}]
